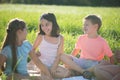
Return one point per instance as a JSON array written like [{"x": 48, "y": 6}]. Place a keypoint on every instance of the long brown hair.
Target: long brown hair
[
  {"x": 55, "y": 28},
  {"x": 11, "y": 38}
]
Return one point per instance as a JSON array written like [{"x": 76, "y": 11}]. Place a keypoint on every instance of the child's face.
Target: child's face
[
  {"x": 89, "y": 28},
  {"x": 46, "y": 26},
  {"x": 22, "y": 34}
]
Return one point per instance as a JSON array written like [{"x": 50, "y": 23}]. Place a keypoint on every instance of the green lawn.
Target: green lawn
[{"x": 69, "y": 19}]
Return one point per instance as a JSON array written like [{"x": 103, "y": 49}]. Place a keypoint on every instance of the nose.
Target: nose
[
  {"x": 84, "y": 27},
  {"x": 45, "y": 27}
]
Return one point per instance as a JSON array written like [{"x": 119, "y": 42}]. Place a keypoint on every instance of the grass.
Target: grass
[{"x": 69, "y": 19}]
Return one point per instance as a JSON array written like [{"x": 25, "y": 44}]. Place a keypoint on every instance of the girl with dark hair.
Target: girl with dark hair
[
  {"x": 15, "y": 51},
  {"x": 50, "y": 43}
]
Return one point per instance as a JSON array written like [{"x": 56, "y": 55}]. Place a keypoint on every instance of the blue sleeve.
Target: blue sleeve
[
  {"x": 6, "y": 51},
  {"x": 28, "y": 45}
]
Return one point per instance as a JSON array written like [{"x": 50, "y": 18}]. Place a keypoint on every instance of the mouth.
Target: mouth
[{"x": 47, "y": 31}]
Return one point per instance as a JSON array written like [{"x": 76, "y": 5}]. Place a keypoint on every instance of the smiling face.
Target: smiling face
[
  {"x": 89, "y": 28},
  {"x": 46, "y": 26}
]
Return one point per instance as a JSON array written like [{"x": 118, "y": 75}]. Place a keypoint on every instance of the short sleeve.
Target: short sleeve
[
  {"x": 6, "y": 51},
  {"x": 107, "y": 50},
  {"x": 27, "y": 45}
]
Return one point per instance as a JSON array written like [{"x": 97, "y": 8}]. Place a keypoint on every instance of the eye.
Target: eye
[
  {"x": 85, "y": 25},
  {"x": 47, "y": 24},
  {"x": 41, "y": 25}
]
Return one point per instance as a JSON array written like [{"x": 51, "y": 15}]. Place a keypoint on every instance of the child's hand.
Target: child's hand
[
  {"x": 104, "y": 62},
  {"x": 46, "y": 77},
  {"x": 87, "y": 74},
  {"x": 46, "y": 74},
  {"x": 66, "y": 66},
  {"x": 38, "y": 53},
  {"x": 52, "y": 71}
]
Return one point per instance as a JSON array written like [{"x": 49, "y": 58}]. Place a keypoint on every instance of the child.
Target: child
[
  {"x": 50, "y": 45},
  {"x": 15, "y": 52},
  {"x": 92, "y": 47},
  {"x": 108, "y": 71}
]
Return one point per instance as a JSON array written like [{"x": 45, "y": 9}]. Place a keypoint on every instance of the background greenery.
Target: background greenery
[
  {"x": 67, "y": 2},
  {"x": 69, "y": 19}
]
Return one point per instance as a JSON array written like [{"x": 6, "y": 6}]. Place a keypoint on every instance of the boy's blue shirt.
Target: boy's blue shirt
[{"x": 22, "y": 55}]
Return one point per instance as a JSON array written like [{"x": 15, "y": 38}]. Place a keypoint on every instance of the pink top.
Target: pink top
[{"x": 93, "y": 49}]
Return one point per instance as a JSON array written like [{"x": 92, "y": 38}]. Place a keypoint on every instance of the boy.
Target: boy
[{"x": 92, "y": 47}]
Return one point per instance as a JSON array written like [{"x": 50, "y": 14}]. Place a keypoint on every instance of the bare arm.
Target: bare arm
[
  {"x": 39, "y": 64},
  {"x": 112, "y": 59},
  {"x": 59, "y": 52},
  {"x": 117, "y": 56},
  {"x": 75, "y": 52},
  {"x": 37, "y": 42},
  {"x": 2, "y": 60}
]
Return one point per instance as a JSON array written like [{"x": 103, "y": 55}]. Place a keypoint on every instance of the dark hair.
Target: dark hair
[
  {"x": 94, "y": 19},
  {"x": 55, "y": 27},
  {"x": 11, "y": 39}
]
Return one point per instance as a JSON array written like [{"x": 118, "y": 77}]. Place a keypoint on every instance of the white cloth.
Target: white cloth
[
  {"x": 76, "y": 78},
  {"x": 48, "y": 52}
]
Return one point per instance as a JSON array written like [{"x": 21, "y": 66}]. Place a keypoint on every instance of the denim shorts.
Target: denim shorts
[{"x": 84, "y": 63}]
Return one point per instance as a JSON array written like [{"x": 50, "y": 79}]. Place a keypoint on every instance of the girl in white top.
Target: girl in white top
[{"x": 50, "y": 44}]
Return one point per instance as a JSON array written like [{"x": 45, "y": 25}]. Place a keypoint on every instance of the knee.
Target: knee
[
  {"x": 68, "y": 74},
  {"x": 96, "y": 69},
  {"x": 65, "y": 56},
  {"x": 62, "y": 56}
]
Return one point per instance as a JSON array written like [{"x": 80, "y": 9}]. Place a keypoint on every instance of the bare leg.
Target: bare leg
[
  {"x": 68, "y": 60},
  {"x": 117, "y": 77},
  {"x": 102, "y": 74},
  {"x": 16, "y": 76},
  {"x": 62, "y": 72}
]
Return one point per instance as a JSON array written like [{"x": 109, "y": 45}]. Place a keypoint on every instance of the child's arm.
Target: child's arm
[
  {"x": 59, "y": 52},
  {"x": 108, "y": 52},
  {"x": 117, "y": 56},
  {"x": 2, "y": 60},
  {"x": 112, "y": 59},
  {"x": 37, "y": 42},
  {"x": 39, "y": 64},
  {"x": 75, "y": 52}
]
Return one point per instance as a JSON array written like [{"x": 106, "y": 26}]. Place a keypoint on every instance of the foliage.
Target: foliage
[{"x": 67, "y": 2}]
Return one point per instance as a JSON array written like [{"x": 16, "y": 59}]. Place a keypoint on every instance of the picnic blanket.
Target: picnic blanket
[{"x": 76, "y": 78}]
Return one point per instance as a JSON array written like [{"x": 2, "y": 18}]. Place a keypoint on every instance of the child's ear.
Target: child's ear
[
  {"x": 96, "y": 26},
  {"x": 19, "y": 31}
]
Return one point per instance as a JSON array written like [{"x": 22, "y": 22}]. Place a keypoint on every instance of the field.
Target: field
[{"x": 69, "y": 18}]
